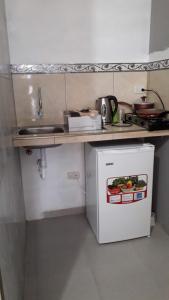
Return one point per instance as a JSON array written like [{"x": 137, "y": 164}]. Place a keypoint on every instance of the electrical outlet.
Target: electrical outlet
[
  {"x": 138, "y": 89},
  {"x": 74, "y": 175}
]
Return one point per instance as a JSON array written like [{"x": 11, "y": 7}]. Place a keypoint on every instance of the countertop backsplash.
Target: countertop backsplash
[{"x": 61, "y": 92}]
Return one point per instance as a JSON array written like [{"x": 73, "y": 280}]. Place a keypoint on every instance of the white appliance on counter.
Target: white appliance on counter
[
  {"x": 88, "y": 122},
  {"x": 119, "y": 190}
]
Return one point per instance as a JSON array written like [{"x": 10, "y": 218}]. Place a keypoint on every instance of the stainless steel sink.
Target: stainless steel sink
[{"x": 40, "y": 130}]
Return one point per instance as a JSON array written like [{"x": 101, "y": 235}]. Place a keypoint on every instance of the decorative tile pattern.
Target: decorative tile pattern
[{"x": 89, "y": 68}]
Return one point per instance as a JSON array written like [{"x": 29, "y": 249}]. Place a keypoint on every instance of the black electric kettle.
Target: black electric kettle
[{"x": 107, "y": 107}]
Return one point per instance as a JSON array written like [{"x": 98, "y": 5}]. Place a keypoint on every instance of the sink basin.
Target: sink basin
[{"x": 40, "y": 130}]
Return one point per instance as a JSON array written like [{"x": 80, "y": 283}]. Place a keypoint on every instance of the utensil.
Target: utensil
[
  {"x": 151, "y": 113},
  {"x": 157, "y": 94},
  {"x": 143, "y": 103},
  {"x": 107, "y": 107}
]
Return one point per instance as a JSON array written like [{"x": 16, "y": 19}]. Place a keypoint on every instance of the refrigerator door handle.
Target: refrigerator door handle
[{"x": 125, "y": 151}]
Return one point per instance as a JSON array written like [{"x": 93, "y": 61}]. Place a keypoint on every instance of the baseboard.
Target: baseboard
[{"x": 64, "y": 212}]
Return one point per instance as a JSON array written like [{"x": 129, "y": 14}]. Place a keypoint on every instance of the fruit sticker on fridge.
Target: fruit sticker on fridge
[{"x": 126, "y": 189}]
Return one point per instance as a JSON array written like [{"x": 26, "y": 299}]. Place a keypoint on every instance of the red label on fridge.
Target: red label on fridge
[{"x": 126, "y": 189}]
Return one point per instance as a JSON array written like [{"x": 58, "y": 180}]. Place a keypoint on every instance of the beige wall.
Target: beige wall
[
  {"x": 12, "y": 225},
  {"x": 70, "y": 91},
  {"x": 159, "y": 81}
]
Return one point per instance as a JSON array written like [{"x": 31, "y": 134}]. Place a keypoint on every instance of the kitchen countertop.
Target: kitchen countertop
[{"x": 109, "y": 133}]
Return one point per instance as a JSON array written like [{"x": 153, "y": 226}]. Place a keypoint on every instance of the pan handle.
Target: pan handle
[
  {"x": 126, "y": 104},
  {"x": 164, "y": 113}
]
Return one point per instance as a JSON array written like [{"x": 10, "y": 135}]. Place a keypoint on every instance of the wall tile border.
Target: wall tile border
[{"x": 89, "y": 68}]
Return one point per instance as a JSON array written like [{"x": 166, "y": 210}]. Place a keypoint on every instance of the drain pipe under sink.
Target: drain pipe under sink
[{"x": 42, "y": 163}]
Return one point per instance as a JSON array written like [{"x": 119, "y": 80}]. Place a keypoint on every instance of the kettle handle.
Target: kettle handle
[{"x": 114, "y": 99}]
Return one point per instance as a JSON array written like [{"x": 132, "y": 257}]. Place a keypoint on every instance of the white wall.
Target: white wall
[
  {"x": 78, "y": 31},
  {"x": 159, "y": 30},
  {"x": 159, "y": 55},
  {"x": 56, "y": 191}
]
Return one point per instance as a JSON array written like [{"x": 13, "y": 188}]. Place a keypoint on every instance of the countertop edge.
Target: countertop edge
[{"x": 20, "y": 141}]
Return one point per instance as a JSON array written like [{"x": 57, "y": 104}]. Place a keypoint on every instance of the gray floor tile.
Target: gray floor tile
[{"x": 65, "y": 262}]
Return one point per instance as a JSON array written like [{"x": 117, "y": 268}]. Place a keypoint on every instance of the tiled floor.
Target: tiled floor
[{"x": 64, "y": 262}]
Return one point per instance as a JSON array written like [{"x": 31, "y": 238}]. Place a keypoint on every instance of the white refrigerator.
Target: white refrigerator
[{"x": 119, "y": 182}]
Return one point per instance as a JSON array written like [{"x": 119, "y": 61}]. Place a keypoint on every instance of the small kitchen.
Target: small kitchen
[{"x": 87, "y": 79}]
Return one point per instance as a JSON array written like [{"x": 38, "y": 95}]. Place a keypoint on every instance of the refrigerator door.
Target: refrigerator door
[{"x": 124, "y": 193}]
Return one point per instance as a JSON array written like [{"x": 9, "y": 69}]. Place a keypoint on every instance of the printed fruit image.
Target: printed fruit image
[
  {"x": 129, "y": 184},
  {"x": 140, "y": 185},
  {"x": 118, "y": 181},
  {"x": 114, "y": 190}
]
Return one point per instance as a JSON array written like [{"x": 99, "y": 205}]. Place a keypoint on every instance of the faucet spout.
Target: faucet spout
[{"x": 40, "y": 104}]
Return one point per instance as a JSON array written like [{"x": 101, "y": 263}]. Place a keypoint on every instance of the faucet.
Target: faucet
[{"x": 40, "y": 106}]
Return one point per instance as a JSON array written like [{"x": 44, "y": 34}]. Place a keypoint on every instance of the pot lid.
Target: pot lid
[{"x": 143, "y": 100}]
